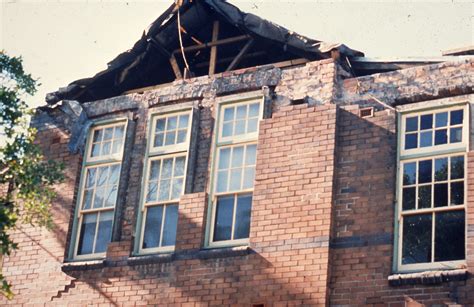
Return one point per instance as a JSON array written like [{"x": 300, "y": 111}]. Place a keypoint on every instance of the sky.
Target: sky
[{"x": 62, "y": 41}]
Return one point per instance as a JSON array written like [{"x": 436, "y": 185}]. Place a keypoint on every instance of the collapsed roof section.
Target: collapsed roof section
[{"x": 214, "y": 36}]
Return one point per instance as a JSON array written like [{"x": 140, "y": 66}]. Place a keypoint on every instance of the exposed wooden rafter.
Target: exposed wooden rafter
[
  {"x": 175, "y": 66},
  {"x": 240, "y": 55},
  {"x": 224, "y": 41},
  {"x": 213, "y": 57}
]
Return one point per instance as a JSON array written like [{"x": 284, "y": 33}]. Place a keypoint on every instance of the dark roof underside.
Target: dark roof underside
[{"x": 148, "y": 62}]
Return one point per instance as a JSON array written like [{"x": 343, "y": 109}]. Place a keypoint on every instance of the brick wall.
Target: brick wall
[{"x": 322, "y": 217}]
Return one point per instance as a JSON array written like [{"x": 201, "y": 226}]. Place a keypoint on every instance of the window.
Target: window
[
  {"x": 98, "y": 190},
  {"x": 234, "y": 172},
  {"x": 164, "y": 180},
  {"x": 432, "y": 189}
]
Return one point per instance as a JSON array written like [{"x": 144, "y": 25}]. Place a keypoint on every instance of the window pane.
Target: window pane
[
  {"x": 237, "y": 156},
  {"x": 158, "y": 140},
  {"x": 416, "y": 246},
  {"x": 167, "y": 168},
  {"x": 183, "y": 121},
  {"x": 181, "y": 136},
  {"x": 116, "y": 146},
  {"x": 409, "y": 196},
  {"x": 241, "y": 112},
  {"x": 118, "y": 133},
  {"x": 411, "y": 141},
  {"x": 424, "y": 171},
  {"x": 164, "y": 190},
  {"x": 424, "y": 197},
  {"x": 250, "y": 155},
  {"x": 455, "y": 135},
  {"x": 441, "y": 195},
  {"x": 457, "y": 167},
  {"x": 227, "y": 129},
  {"x": 177, "y": 188},
  {"x": 95, "y": 150},
  {"x": 111, "y": 196},
  {"x": 253, "y": 109},
  {"x": 179, "y": 166},
  {"x": 152, "y": 189},
  {"x": 229, "y": 114},
  {"x": 409, "y": 173},
  {"x": 249, "y": 177},
  {"x": 106, "y": 148},
  {"x": 86, "y": 237},
  {"x": 442, "y": 119},
  {"x": 242, "y": 217},
  {"x": 90, "y": 180},
  {"x": 222, "y": 181},
  {"x": 160, "y": 125},
  {"x": 224, "y": 158},
  {"x": 239, "y": 127},
  {"x": 152, "y": 233},
  {"x": 426, "y": 121},
  {"x": 449, "y": 236},
  {"x": 108, "y": 133},
  {"x": 457, "y": 193},
  {"x": 456, "y": 117},
  {"x": 411, "y": 124},
  {"x": 87, "y": 199},
  {"x": 170, "y": 227},
  {"x": 170, "y": 138},
  {"x": 223, "y": 223},
  {"x": 155, "y": 169},
  {"x": 99, "y": 197},
  {"x": 441, "y": 169},
  {"x": 426, "y": 139},
  {"x": 252, "y": 125},
  {"x": 172, "y": 123},
  {"x": 114, "y": 174},
  {"x": 97, "y": 136},
  {"x": 441, "y": 137},
  {"x": 104, "y": 232},
  {"x": 102, "y": 177}
]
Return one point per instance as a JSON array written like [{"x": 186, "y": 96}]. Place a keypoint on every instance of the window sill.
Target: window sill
[
  {"x": 427, "y": 277},
  {"x": 83, "y": 265}
]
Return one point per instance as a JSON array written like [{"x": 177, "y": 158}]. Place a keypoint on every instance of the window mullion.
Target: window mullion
[
  {"x": 234, "y": 213},
  {"x": 96, "y": 230},
  {"x": 433, "y": 238},
  {"x": 162, "y": 225}
]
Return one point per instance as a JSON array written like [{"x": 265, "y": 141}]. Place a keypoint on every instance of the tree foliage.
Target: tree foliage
[{"x": 26, "y": 178}]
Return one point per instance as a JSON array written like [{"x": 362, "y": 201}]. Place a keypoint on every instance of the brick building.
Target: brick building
[{"x": 263, "y": 168}]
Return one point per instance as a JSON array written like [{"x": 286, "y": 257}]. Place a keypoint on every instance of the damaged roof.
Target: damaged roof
[{"x": 244, "y": 40}]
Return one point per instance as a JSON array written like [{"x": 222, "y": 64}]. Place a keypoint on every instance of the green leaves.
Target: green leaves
[{"x": 23, "y": 169}]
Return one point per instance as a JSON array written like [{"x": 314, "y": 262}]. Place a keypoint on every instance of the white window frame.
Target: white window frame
[
  {"x": 233, "y": 141},
  {"x": 95, "y": 162},
  {"x": 161, "y": 153},
  {"x": 426, "y": 153}
]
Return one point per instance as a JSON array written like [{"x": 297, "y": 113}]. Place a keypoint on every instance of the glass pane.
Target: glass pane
[
  {"x": 235, "y": 178},
  {"x": 152, "y": 189},
  {"x": 170, "y": 227},
  {"x": 87, "y": 202},
  {"x": 441, "y": 169},
  {"x": 424, "y": 171},
  {"x": 424, "y": 197},
  {"x": 155, "y": 169},
  {"x": 416, "y": 246},
  {"x": 223, "y": 223},
  {"x": 450, "y": 236},
  {"x": 95, "y": 150},
  {"x": 409, "y": 173},
  {"x": 441, "y": 137},
  {"x": 106, "y": 148},
  {"x": 457, "y": 167},
  {"x": 116, "y": 146},
  {"x": 455, "y": 135},
  {"x": 181, "y": 136},
  {"x": 411, "y": 141},
  {"x": 99, "y": 197},
  {"x": 456, "y": 117},
  {"x": 426, "y": 139},
  {"x": 457, "y": 193},
  {"x": 172, "y": 123},
  {"x": 242, "y": 217},
  {"x": 249, "y": 177},
  {"x": 239, "y": 127},
  {"x": 252, "y": 125},
  {"x": 241, "y": 112},
  {"x": 114, "y": 174},
  {"x": 167, "y": 168},
  {"x": 111, "y": 196},
  {"x": 87, "y": 235},
  {"x": 158, "y": 140},
  {"x": 253, "y": 109},
  {"x": 222, "y": 181},
  {"x": 177, "y": 188},
  {"x": 224, "y": 158},
  {"x": 102, "y": 177},
  {"x": 409, "y": 197},
  {"x": 411, "y": 124},
  {"x": 227, "y": 129},
  {"x": 104, "y": 232},
  {"x": 164, "y": 190},
  {"x": 442, "y": 119},
  {"x": 90, "y": 181},
  {"x": 183, "y": 121},
  {"x": 108, "y": 133},
  {"x": 170, "y": 138},
  {"x": 179, "y": 166},
  {"x": 426, "y": 121},
  {"x": 118, "y": 133},
  {"x": 250, "y": 155},
  {"x": 237, "y": 156},
  {"x": 160, "y": 125},
  {"x": 229, "y": 114},
  {"x": 97, "y": 136},
  {"x": 152, "y": 233},
  {"x": 441, "y": 195}
]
